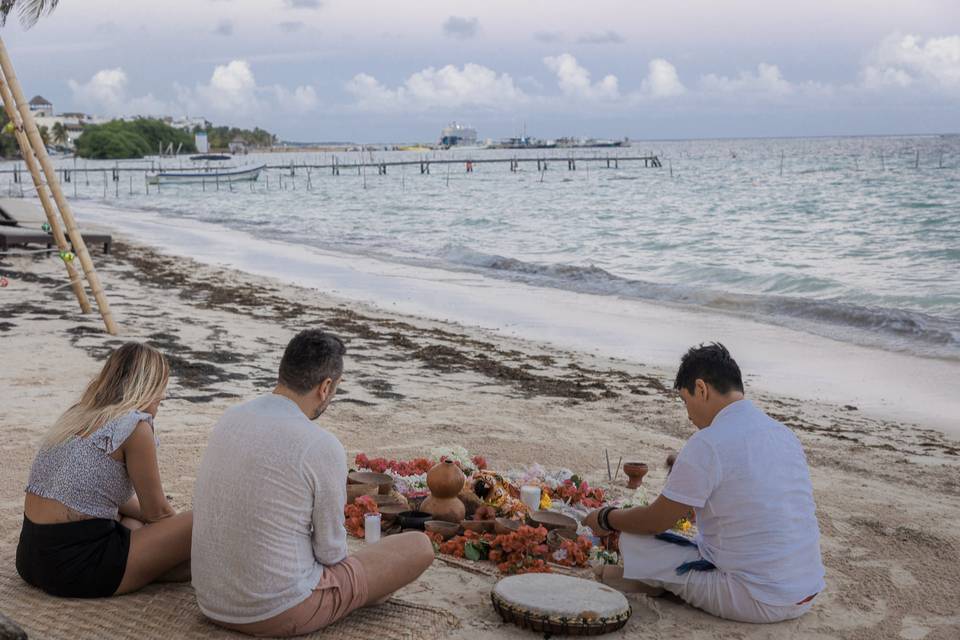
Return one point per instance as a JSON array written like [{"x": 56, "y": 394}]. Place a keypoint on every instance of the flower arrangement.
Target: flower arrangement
[
  {"x": 401, "y": 468},
  {"x": 353, "y": 515},
  {"x": 579, "y": 492},
  {"x": 523, "y": 551}
]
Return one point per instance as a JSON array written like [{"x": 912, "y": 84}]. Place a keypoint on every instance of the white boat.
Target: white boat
[{"x": 206, "y": 175}]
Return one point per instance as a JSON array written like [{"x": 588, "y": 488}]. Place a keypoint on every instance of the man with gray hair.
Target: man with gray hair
[{"x": 269, "y": 553}]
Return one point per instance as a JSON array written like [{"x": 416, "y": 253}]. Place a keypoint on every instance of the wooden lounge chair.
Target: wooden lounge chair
[{"x": 21, "y": 223}]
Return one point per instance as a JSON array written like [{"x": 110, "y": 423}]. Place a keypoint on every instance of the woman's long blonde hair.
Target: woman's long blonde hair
[{"x": 134, "y": 376}]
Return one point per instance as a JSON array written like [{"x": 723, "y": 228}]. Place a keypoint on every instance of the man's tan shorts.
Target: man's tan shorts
[{"x": 342, "y": 589}]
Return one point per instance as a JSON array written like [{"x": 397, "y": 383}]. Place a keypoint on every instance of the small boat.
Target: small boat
[
  {"x": 210, "y": 156},
  {"x": 206, "y": 175}
]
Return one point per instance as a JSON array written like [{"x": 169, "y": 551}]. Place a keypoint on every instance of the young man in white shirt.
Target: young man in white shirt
[
  {"x": 269, "y": 546},
  {"x": 756, "y": 557}
]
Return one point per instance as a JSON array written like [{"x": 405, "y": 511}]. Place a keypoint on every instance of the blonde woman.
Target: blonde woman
[{"x": 96, "y": 521}]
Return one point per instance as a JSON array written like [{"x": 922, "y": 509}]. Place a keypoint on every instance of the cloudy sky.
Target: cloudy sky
[{"x": 381, "y": 70}]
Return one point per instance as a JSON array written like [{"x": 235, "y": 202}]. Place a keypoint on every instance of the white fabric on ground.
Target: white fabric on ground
[{"x": 720, "y": 593}]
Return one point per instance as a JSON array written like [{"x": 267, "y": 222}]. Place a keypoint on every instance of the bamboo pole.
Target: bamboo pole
[
  {"x": 33, "y": 136},
  {"x": 76, "y": 282}
]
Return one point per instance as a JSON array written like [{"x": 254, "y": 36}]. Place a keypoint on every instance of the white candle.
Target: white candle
[
  {"x": 371, "y": 527},
  {"x": 530, "y": 496}
]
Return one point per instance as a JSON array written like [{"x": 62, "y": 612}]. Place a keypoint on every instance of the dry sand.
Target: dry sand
[{"x": 888, "y": 494}]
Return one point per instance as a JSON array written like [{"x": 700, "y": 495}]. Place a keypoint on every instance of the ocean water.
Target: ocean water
[{"x": 856, "y": 239}]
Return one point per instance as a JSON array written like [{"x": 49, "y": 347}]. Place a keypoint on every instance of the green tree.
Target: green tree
[
  {"x": 29, "y": 10},
  {"x": 44, "y": 135},
  {"x": 58, "y": 134},
  {"x": 131, "y": 139}
]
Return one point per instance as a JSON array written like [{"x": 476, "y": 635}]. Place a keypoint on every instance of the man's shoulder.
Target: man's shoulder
[{"x": 322, "y": 443}]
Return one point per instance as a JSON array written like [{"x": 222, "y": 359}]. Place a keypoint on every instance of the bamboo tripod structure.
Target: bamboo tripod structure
[{"x": 34, "y": 151}]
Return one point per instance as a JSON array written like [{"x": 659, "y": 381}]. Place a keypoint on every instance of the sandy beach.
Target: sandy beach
[{"x": 887, "y": 491}]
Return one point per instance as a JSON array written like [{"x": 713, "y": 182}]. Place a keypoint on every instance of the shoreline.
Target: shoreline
[
  {"x": 887, "y": 493},
  {"x": 776, "y": 359}
]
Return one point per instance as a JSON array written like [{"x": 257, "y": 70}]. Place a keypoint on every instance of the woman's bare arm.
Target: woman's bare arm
[{"x": 140, "y": 454}]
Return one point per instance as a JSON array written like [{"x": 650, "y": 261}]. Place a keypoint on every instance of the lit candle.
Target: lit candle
[
  {"x": 530, "y": 496},
  {"x": 371, "y": 527}
]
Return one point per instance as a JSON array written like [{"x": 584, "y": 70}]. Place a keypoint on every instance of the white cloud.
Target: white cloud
[
  {"x": 662, "y": 80},
  {"x": 574, "y": 80},
  {"x": 300, "y": 100},
  {"x": 232, "y": 89},
  {"x": 899, "y": 60},
  {"x": 231, "y": 92},
  {"x": 472, "y": 86},
  {"x": 766, "y": 81},
  {"x": 106, "y": 93}
]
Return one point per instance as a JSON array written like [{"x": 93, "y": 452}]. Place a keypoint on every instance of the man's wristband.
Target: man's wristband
[{"x": 603, "y": 519}]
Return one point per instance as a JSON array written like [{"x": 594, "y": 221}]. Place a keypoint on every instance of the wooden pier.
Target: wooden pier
[{"x": 543, "y": 163}]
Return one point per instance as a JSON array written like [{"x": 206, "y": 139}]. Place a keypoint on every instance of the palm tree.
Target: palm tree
[
  {"x": 58, "y": 134},
  {"x": 44, "y": 135},
  {"x": 29, "y": 10}
]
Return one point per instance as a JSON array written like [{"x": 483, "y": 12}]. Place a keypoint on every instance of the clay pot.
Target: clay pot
[
  {"x": 635, "y": 471},
  {"x": 445, "y": 481}
]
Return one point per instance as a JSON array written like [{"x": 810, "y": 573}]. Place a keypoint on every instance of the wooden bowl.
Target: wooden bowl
[
  {"x": 479, "y": 526},
  {"x": 503, "y": 526},
  {"x": 413, "y": 519},
  {"x": 389, "y": 512},
  {"x": 446, "y": 529},
  {"x": 390, "y": 499},
  {"x": 551, "y": 520},
  {"x": 354, "y": 491},
  {"x": 382, "y": 480}
]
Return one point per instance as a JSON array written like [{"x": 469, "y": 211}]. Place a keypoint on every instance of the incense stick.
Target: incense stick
[{"x": 617, "y": 472}]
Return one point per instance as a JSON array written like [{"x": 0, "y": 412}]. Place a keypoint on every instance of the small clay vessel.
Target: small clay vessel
[
  {"x": 445, "y": 481},
  {"x": 635, "y": 471}
]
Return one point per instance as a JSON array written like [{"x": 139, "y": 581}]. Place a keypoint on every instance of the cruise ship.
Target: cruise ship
[{"x": 458, "y": 135}]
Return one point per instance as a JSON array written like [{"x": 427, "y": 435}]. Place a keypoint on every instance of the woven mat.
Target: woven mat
[{"x": 170, "y": 611}]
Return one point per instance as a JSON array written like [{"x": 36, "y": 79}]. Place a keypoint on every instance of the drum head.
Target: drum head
[{"x": 560, "y": 604}]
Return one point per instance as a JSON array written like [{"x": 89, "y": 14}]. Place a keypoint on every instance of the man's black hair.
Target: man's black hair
[
  {"x": 310, "y": 358},
  {"x": 711, "y": 363}
]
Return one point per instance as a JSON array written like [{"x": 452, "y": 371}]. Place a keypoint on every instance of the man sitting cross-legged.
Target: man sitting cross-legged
[
  {"x": 269, "y": 545},
  {"x": 757, "y": 554}
]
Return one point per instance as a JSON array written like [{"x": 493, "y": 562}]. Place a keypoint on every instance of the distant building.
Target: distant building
[
  {"x": 237, "y": 145},
  {"x": 40, "y": 106},
  {"x": 456, "y": 134},
  {"x": 200, "y": 140},
  {"x": 189, "y": 123}
]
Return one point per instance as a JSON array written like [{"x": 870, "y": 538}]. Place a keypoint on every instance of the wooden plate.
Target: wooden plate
[
  {"x": 382, "y": 480},
  {"x": 552, "y": 520}
]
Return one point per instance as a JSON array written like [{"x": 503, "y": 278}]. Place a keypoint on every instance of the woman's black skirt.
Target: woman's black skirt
[{"x": 84, "y": 559}]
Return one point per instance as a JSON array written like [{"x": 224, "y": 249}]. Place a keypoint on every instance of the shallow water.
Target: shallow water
[{"x": 855, "y": 241}]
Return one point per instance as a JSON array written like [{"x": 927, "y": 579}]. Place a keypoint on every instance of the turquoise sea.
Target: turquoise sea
[{"x": 856, "y": 239}]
